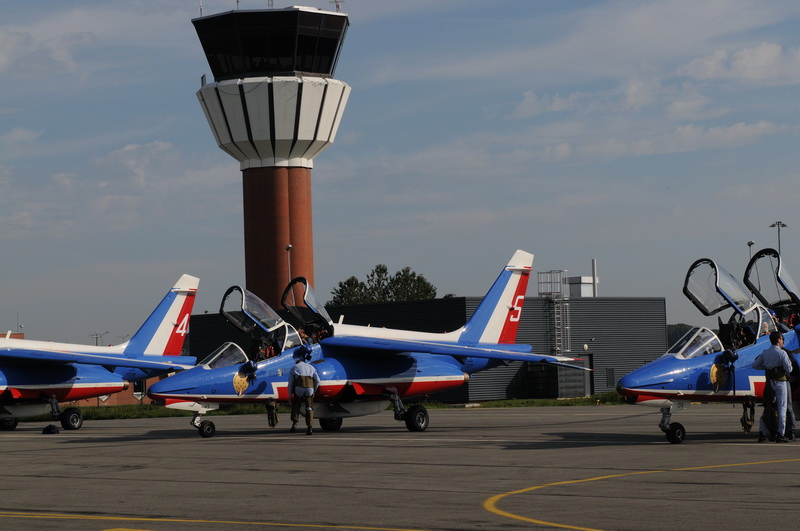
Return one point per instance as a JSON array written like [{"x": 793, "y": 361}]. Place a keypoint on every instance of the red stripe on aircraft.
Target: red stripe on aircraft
[
  {"x": 511, "y": 325},
  {"x": 178, "y": 335},
  {"x": 80, "y": 393}
]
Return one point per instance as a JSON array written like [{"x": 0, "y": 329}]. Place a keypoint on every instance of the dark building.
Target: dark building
[{"x": 620, "y": 334}]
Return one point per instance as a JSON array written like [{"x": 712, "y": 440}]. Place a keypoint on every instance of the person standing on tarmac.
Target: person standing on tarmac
[
  {"x": 775, "y": 362},
  {"x": 303, "y": 383}
]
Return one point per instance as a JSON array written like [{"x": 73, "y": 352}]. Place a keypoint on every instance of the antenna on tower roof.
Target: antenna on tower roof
[
  {"x": 338, "y": 4},
  {"x": 201, "y": 8}
]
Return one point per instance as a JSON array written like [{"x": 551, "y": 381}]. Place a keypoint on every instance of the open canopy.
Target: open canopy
[
  {"x": 768, "y": 279},
  {"x": 712, "y": 289},
  {"x": 251, "y": 315}
]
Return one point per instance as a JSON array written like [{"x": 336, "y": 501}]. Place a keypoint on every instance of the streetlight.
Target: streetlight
[
  {"x": 779, "y": 225},
  {"x": 289, "y": 266},
  {"x": 289, "y": 260},
  {"x": 97, "y": 337},
  {"x": 750, "y": 247}
]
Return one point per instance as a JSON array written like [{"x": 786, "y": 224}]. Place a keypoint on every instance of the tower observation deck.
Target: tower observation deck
[{"x": 274, "y": 106}]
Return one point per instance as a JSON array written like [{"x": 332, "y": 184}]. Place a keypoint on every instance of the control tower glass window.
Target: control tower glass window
[{"x": 242, "y": 44}]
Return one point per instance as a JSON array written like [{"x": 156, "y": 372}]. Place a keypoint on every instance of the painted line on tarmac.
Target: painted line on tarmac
[
  {"x": 491, "y": 503},
  {"x": 97, "y": 518}
]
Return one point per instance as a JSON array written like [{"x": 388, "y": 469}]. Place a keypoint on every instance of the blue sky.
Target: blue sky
[{"x": 644, "y": 135}]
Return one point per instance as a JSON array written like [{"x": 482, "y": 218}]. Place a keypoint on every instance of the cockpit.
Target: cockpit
[
  {"x": 227, "y": 355},
  {"x": 771, "y": 283},
  {"x": 696, "y": 342},
  {"x": 270, "y": 333},
  {"x": 251, "y": 315},
  {"x": 712, "y": 289}
]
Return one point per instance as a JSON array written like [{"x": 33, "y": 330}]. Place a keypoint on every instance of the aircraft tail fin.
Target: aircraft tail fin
[
  {"x": 496, "y": 319},
  {"x": 164, "y": 332}
]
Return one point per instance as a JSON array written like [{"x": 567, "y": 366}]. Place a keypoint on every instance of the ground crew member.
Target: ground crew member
[
  {"x": 777, "y": 366},
  {"x": 303, "y": 383},
  {"x": 272, "y": 405}
]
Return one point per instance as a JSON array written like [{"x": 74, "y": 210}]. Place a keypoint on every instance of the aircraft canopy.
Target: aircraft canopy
[
  {"x": 696, "y": 342},
  {"x": 769, "y": 280},
  {"x": 226, "y": 355},
  {"x": 712, "y": 289},
  {"x": 251, "y": 315}
]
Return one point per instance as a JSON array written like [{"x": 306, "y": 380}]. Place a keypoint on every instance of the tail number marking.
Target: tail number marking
[
  {"x": 516, "y": 311},
  {"x": 183, "y": 327}
]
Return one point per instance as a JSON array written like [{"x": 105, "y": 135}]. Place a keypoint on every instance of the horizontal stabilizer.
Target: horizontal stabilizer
[
  {"x": 506, "y": 352},
  {"x": 49, "y": 356}
]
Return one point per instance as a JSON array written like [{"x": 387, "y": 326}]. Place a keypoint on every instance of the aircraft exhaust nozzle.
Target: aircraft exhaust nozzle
[{"x": 125, "y": 385}]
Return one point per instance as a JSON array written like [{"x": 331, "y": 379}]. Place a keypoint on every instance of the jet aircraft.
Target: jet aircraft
[
  {"x": 715, "y": 366},
  {"x": 362, "y": 369},
  {"x": 36, "y": 375}
]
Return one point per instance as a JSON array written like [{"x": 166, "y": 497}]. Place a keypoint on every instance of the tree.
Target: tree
[{"x": 404, "y": 285}]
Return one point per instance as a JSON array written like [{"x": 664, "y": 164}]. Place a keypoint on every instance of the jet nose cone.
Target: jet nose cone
[
  {"x": 624, "y": 386},
  {"x": 164, "y": 387}
]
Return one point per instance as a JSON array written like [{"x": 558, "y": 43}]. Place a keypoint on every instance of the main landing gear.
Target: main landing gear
[
  {"x": 674, "y": 431},
  {"x": 330, "y": 423},
  {"x": 416, "y": 416},
  {"x": 71, "y": 418},
  {"x": 8, "y": 424}
]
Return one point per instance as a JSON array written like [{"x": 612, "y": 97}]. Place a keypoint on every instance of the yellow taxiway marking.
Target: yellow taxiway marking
[
  {"x": 65, "y": 516},
  {"x": 491, "y": 504}
]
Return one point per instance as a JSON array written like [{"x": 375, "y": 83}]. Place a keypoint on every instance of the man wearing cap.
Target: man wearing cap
[
  {"x": 303, "y": 383},
  {"x": 777, "y": 366}
]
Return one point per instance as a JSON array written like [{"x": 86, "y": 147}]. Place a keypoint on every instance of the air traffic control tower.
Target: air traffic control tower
[{"x": 274, "y": 106}]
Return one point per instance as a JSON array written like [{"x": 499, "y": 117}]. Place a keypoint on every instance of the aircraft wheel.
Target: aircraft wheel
[
  {"x": 207, "y": 429},
  {"x": 71, "y": 418},
  {"x": 330, "y": 424},
  {"x": 676, "y": 433},
  {"x": 8, "y": 424},
  {"x": 417, "y": 418}
]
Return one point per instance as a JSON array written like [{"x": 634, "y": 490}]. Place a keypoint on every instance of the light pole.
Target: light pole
[
  {"x": 289, "y": 266},
  {"x": 289, "y": 260},
  {"x": 97, "y": 337},
  {"x": 750, "y": 247},
  {"x": 779, "y": 225}
]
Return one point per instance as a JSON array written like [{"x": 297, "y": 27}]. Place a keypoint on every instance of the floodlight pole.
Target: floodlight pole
[{"x": 779, "y": 225}]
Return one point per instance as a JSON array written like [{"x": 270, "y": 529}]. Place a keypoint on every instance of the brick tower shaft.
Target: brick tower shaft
[{"x": 277, "y": 213}]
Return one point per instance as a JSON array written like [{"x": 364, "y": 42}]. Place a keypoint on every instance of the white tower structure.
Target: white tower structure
[{"x": 274, "y": 106}]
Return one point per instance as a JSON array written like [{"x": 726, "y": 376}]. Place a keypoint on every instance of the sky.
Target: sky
[{"x": 643, "y": 135}]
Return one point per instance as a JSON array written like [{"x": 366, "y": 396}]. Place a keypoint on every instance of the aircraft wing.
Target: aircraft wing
[
  {"x": 514, "y": 353},
  {"x": 49, "y": 356}
]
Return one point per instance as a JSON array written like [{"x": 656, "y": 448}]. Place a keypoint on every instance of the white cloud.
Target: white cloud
[
  {"x": 767, "y": 62},
  {"x": 13, "y": 47},
  {"x": 19, "y": 135},
  {"x": 22, "y": 57},
  {"x": 693, "y": 138},
  {"x": 531, "y": 105}
]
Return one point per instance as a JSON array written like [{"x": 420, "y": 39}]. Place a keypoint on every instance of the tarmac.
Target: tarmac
[{"x": 593, "y": 467}]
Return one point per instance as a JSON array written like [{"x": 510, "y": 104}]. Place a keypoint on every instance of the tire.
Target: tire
[
  {"x": 417, "y": 418},
  {"x": 330, "y": 424},
  {"x": 8, "y": 424},
  {"x": 676, "y": 433},
  {"x": 207, "y": 429},
  {"x": 71, "y": 418}
]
